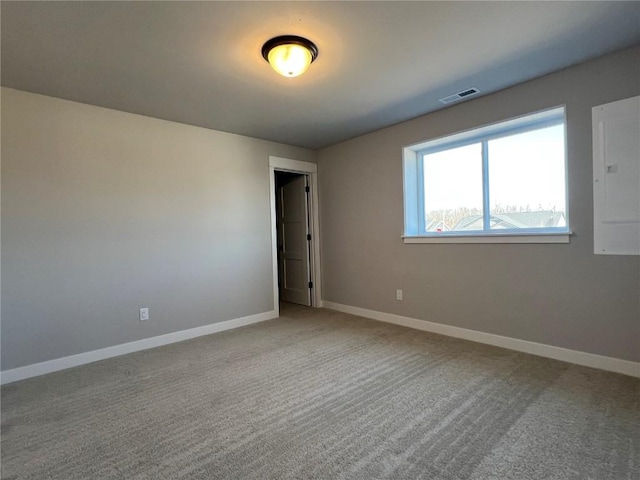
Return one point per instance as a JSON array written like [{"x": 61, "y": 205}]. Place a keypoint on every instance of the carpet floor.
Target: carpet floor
[{"x": 318, "y": 394}]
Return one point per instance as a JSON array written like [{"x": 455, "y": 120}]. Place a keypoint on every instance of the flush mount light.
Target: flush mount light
[{"x": 289, "y": 55}]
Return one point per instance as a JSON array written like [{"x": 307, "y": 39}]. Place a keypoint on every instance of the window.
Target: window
[{"x": 504, "y": 182}]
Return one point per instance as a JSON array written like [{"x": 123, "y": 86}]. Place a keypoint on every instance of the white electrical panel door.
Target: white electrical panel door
[{"x": 616, "y": 177}]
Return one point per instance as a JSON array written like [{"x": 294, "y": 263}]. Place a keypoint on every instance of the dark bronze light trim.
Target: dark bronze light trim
[{"x": 289, "y": 39}]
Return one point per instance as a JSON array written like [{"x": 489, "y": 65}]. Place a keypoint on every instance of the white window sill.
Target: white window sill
[{"x": 491, "y": 238}]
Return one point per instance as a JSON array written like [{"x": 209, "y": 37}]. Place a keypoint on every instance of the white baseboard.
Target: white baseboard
[
  {"x": 63, "y": 363},
  {"x": 610, "y": 364}
]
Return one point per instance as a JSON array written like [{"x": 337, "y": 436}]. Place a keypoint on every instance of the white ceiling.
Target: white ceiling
[{"x": 199, "y": 63}]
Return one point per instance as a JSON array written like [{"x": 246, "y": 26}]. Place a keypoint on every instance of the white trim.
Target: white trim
[
  {"x": 63, "y": 363},
  {"x": 485, "y": 238},
  {"x": 311, "y": 169},
  {"x": 315, "y": 243},
  {"x": 557, "y": 353},
  {"x": 292, "y": 165},
  {"x": 274, "y": 239}
]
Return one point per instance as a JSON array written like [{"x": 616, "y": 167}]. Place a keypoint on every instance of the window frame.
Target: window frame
[{"x": 413, "y": 177}]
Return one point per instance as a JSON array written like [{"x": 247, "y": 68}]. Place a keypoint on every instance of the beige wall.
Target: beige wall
[
  {"x": 560, "y": 295},
  {"x": 104, "y": 212}
]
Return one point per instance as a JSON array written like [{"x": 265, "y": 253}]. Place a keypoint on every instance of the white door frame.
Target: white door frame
[{"x": 305, "y": 168}]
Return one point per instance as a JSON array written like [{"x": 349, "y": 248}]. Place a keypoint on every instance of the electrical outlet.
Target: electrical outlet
[
  {"x": 144, "y": 314},
  {"x": 398, "y": 294}
]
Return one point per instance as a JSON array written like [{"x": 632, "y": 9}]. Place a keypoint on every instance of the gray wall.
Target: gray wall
[
  {"x": 104, "y": 212},
  {"x": 560, "y": 295}
]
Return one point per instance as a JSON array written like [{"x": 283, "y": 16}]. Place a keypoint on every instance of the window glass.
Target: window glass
[
  {"x": 527, "y": 179},
  {"x": 452, "y": 187}
]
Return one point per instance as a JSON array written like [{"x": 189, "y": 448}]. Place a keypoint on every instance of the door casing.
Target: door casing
[{"x": 310, "y": 169}]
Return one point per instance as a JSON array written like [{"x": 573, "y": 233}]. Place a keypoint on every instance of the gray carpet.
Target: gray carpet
[{"x": 318, "y": 394}]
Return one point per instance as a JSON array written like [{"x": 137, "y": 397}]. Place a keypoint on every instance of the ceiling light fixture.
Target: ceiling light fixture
[{"x": 289, "y": 55}]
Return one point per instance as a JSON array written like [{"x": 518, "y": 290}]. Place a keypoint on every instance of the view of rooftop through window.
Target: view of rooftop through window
[{"x": 524, "y": 178}]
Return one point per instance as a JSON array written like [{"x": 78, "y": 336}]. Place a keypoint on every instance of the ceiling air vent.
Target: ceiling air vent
[{"x": 469, "y": 92}]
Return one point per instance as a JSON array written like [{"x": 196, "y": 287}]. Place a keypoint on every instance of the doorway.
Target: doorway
[{"x": 295, "y": 233}]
